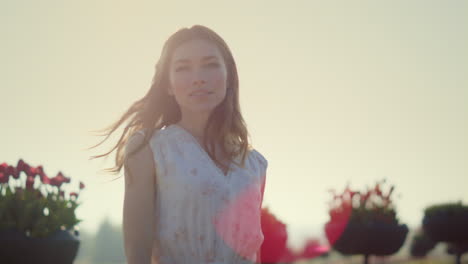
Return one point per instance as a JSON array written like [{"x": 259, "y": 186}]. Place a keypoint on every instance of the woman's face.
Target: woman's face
[{"x": 198, "y": 76}]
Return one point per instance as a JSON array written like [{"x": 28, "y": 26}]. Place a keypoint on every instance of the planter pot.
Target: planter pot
[
  {"x": 59, "y": 248},
  {"x": 446, "y": 226},
  {"x": 421, "y": 245},
  {"x": 368, "y": 238}
]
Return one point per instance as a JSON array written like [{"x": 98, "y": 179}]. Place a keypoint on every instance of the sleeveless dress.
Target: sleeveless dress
[{"x": 203, "y": 215}]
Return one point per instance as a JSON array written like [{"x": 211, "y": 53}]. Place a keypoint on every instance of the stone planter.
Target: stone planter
[
  {"x": 368, "y": 238},
  {"x": 448, "y": 223},
  {"x": 447, "y": 226},
  {"x": 59, "y": 248}
]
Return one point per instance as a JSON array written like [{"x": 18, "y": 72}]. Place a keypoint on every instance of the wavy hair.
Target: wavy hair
[{"x": 225, "y": 128}]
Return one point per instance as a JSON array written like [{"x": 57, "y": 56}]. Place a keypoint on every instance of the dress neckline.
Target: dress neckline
[{"x": 204, "y": 153}]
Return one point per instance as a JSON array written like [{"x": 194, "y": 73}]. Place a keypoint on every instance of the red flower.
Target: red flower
[
  {"x": 21, "y": 164},
  {"x": 82, "y": 186},
  {"x": 275, "y": 238},
  {"x": 56, "y": 181},
  {"x": 377, "y": 190},
  {"x": 3, "y": 167},
  {"x": 25, "y": 168},
  {"x": 45, "y": 179},
  {"x": 313, "y": 249},
  {"x": 339, "y": 218},
  {"x": 30, "y": 182},
  {"x": 31, "y": 172},
  {"x": 11, "y": 171},
  {"x": 60, "y": 175},
  {"x": 15, "y": 172},
  {"x": 4, "y": 177},
  {"x": 42, "y": 175},
  {"x": 59, "y": 180},
  {"x": 74, "y": 194}
]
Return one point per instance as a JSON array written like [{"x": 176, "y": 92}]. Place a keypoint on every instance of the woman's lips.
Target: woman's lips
[{"x": 200, "y": 93}]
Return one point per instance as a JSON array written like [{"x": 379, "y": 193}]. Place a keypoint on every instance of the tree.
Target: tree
[{"x": 108, "y": 244}]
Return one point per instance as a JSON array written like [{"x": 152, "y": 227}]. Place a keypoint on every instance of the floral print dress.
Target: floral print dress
[{"x": 203, "y": 215}]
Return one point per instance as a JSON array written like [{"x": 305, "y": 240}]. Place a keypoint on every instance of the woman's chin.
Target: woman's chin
[{"x": 203, "y": 108}]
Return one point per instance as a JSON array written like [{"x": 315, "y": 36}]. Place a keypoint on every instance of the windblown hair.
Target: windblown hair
[{"x": 225, "y": 129}]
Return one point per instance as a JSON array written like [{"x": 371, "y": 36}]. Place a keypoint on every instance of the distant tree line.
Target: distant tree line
[{"x": 104, "y": 246}]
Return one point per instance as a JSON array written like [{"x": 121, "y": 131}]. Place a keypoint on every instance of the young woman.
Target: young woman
[{"x": 193, "y": 184}]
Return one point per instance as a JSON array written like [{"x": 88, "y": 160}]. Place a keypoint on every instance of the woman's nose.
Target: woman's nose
[{"x": 198, "y": 82}]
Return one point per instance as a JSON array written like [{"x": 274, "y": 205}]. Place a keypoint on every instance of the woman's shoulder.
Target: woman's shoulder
[
  {"x": 138, "y": 160},
  {"x": 136, "y": 139},
  {"x": 159, "y": 138},
  {"x": 138, "y": 136},
  {"x": 259, "y": 157},
  {"x": 134, "y": 142}
]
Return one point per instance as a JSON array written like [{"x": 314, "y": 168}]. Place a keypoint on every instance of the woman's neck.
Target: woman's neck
[{"x": 194, "y": 124}]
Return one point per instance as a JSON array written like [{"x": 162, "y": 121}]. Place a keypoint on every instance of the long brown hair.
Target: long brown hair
[{"x": 225, "y": 129}]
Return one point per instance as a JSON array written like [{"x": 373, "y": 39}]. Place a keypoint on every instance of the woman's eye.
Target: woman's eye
[
  {"x": 181, "y": 68},
  {"x": 209, "y": 65},
  {"x": 213, "y": 65}
]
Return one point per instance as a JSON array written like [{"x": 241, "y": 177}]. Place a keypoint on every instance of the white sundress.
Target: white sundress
[{"x": 203, "y": 215}]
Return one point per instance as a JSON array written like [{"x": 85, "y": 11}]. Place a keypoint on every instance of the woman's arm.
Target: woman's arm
[
  {"x": 264, "y": 164},
  {"x": 139, "y": 200}
]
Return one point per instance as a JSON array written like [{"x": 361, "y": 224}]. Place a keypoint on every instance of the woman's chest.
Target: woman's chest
[{"x": 193, "y": 176}]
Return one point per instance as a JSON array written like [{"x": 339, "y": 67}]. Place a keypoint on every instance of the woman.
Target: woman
[{"x": 193, "y": 184}]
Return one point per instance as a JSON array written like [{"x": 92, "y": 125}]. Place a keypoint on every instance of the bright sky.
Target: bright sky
[{"x": 332, "y": 92}]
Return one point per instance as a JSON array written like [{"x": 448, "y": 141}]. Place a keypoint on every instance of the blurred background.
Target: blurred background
[{"x": 333, "y": 93}]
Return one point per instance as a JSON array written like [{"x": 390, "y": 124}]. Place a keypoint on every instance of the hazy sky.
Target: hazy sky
[{"x": 332, "y": 92}]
